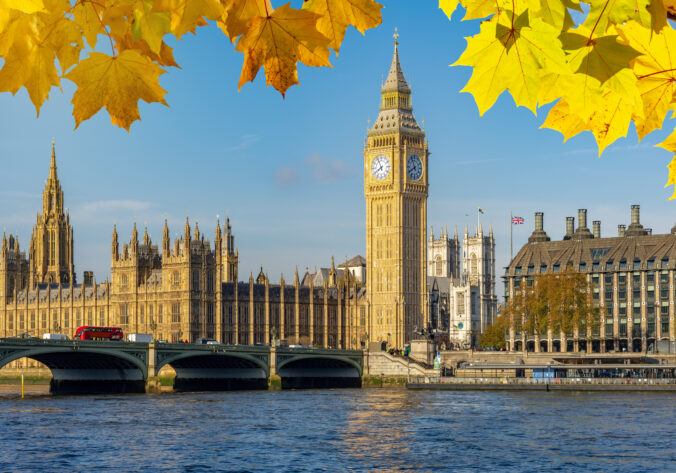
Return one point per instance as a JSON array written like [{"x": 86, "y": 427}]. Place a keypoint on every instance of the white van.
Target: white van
[
  {"x": 140, "y": 337},
  {"x": 54, "y": 336}
]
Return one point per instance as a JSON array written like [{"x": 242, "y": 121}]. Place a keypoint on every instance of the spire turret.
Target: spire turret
[
  {"x": 114, "y": 245},
  {"x": 395, "y": 79},
  {"x": 52, "y": 166},
  {"x": 186, "y": 229},
  {"x": 165, "y": 239}
]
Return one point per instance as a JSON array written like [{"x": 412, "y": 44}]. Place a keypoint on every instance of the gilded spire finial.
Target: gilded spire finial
[{"x": 396, "y": 36}]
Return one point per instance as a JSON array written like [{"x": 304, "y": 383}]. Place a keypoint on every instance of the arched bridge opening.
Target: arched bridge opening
[
  {"x": 216, "y": 371},
  {"x": 78, "y": 370},
  {"x": 309, "y": 372}
]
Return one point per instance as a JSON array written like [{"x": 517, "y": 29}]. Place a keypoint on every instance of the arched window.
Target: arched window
[
  {"x": 473, "y": 264},
  {"x": 439, "y": 265},
  {"x": 52, "y": 246}
]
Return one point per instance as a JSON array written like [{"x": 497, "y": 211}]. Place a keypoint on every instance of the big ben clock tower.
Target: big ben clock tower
[{"x": 396, "y": 188}]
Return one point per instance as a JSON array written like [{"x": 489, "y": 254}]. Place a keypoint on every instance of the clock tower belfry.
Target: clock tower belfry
[{"x": 396, "y": 189}]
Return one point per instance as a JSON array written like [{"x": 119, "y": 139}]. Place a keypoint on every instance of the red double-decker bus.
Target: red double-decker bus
[{"x": 98, "y": 333}]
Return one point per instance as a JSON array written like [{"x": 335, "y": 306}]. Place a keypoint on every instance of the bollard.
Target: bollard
[{"x": 21, "y": 385}]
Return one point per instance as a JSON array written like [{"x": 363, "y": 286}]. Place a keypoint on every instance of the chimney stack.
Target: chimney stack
[
  {"x": 636, "y": 229},
  {"x": 539, "y": 233},
  {"x": 581, "y": 219},
  {"x": 596, "y": 224},
  {"x": 582, "y": 232},
  {"x": 649, "y": 230},
  {"x": 635, "y": 214},
  {"x": 621, "y": 230},
  {"x": 570, "y": 228},
  {"x": 539, "y": 226}
]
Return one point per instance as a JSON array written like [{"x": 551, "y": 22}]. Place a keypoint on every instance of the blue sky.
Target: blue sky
[{"x": 288, "y": 172}]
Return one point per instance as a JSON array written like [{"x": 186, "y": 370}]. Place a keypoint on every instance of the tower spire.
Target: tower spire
[
  {"x": 52, "y": 165},
  {"x": 395, "y": 81}
]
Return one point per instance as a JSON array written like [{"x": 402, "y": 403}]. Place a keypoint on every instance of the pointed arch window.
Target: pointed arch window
[{"x": 51, "y": 255}]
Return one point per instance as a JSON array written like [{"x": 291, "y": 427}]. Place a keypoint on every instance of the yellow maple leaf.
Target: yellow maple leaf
[
  {"x": 599, "y": 63},
  {"x": 89, "y": 19},
  {"x": 28, "y": 63},
  {"x": 278, "y": 42},
  {"x": 164, "y": 58},
  {"x": 30, "y": 44},
  {"x": 186, "y": 14},
  {"x": 608, "y": 123},
  {"x": 116, "y": 83},
  {"x": 511, "y": 53},
  {"x": 238, "y": 14},
  {"x": 476, "y": 9},
  {"x": 656, "y": 72},
  {"x": 337, "y": 15},
  {"x": 149, "y": 24},
  {"x": 25, "y": 6},
  {"x": 670, "y": 145},
  {"x": 606, "y": 13},
  {"x": 448, "y": 7}
]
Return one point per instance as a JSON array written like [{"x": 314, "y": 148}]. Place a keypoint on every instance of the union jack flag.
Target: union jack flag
[{"x": 517, "y": 220}]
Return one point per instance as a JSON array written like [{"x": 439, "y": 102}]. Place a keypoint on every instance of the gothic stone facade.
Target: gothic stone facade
[{"x": 187, "y": 291}]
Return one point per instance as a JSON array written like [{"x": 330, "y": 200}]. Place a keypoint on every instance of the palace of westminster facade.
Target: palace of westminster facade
[{"x": 190, "y": 289}]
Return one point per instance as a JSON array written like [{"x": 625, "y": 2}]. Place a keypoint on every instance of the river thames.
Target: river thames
[{"x": 357, "y": 430}]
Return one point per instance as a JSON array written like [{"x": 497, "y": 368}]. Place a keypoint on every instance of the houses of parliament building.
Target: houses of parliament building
[{"x": 189, "y": 288}]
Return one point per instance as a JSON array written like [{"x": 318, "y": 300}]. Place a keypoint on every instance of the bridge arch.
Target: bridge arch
[
  {"x": 309, "y": 370},
  {"x": 215, "y": 370},
  {"x": 85, "y": 369}
]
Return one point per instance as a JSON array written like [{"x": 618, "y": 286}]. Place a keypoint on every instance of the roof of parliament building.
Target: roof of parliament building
[{"x": 634, "y": 248}]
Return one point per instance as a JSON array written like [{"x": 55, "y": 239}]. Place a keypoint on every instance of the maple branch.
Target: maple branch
[
  {"x": 656, "y": 72},
  {"x": 112, "y": 46},
  {"x": 591, "y": 33}
]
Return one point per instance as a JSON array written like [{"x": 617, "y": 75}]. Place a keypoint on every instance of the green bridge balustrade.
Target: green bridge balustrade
[{"x": 119, "y": 367}]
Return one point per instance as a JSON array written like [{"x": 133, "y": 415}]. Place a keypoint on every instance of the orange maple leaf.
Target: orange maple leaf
[
  {"x": 116, "y": 83},
  {"x": 277, "y": 42}
]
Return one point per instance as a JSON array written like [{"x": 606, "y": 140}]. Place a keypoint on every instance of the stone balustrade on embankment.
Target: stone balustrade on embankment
[{"x": 380, "y": 363}]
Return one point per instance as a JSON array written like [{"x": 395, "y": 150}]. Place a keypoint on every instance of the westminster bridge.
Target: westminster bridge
[{"x": 115, "y": 367}]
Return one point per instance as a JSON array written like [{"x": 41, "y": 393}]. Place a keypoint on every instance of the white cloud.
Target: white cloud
[
  {"x": 328, "y": 169},
  {"x": 244, "y": 142},
  {"x": 285, "y": 176}
]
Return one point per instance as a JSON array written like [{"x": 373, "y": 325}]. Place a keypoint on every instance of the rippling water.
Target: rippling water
[{"x": 341, "y": 430}]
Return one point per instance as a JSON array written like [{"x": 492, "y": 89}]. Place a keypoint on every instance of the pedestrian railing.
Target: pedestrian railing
[{"x": 568, "y": 381}]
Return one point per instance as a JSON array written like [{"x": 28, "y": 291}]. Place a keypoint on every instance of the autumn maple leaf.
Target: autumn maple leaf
[
  {"x": 656, "y": 72},
  {"x": 116, "y": 83},
  {"x": 277, "y": 42},
  {"x": 337, "y": 15},
  {"x": 670, "y": 145},
  {"x": 510, "y": 53}
]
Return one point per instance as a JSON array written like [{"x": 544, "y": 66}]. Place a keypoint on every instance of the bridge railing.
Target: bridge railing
[{"x": 529, "y": 381}]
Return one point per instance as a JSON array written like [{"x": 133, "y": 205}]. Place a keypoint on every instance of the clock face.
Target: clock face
[
  {"x": 380, "y": 168},
  {"x": 414, "y": 167}
]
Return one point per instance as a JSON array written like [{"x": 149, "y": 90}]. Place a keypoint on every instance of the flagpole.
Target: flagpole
[{"x": 511, "y": 231}]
